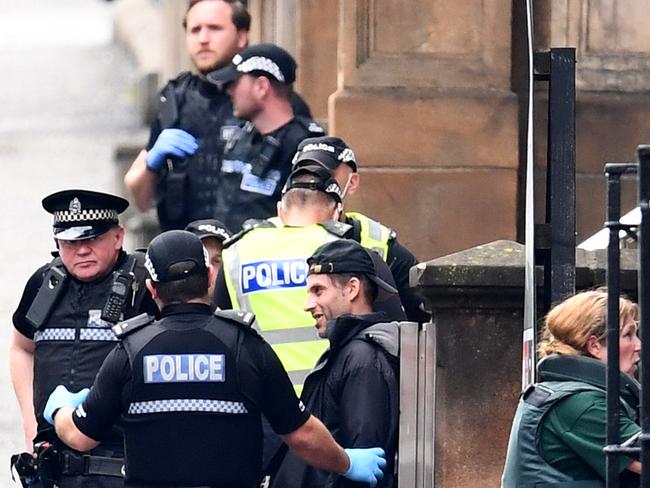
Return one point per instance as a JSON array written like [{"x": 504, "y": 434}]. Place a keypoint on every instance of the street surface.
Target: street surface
[{"x": 66, "y": 101}]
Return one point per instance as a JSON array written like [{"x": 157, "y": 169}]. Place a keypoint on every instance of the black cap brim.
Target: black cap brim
[
  {"x": 82, "y": 232},
  {"x": 224, "y": 76}
]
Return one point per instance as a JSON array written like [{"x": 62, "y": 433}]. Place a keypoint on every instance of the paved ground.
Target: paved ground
[{"x": 65, "y": 101}]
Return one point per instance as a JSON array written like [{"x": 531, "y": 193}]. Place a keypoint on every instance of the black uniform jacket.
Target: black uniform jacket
[{"x": 354, "y": 391}]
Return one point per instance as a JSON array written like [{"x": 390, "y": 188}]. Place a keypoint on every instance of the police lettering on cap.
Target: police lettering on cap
[
  {"x": 209, "y": 228},
  {"x": 258, "y": 60},
  {"x": 327, "y": 151},
  {"x": 175, "y": 247},
  {"x": 345, "y": 256},
  {"x": 314, "y": 178},
  {"x": 83, "y": 214}
]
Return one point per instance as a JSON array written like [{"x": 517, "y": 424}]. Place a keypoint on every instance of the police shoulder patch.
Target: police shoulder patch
[
  {"x": 128, "y": 326},
  {"x": 337, "y": 228}
]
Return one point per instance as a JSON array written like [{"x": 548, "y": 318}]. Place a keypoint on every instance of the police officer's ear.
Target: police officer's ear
[
  {"x": 281, "y": 211},
  {"x": 352, "y": 185},
  {"x": 212, "y": 274},
  {"x": 151, "y": 288}
]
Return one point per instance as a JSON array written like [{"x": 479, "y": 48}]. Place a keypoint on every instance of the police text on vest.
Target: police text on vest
[{"x": 184, "y": 368}]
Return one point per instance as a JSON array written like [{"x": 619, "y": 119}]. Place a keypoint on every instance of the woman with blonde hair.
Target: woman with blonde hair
[{"x": 559, "y": 430}]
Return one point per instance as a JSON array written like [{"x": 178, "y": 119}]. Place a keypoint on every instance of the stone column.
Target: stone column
[
  {"x": 424, "y": 100},
  {"x": 476, "y": 298}
]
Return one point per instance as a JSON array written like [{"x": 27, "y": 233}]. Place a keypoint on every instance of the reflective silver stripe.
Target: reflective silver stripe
[
  {"x": 97, "y": 335},
  {"x": 68, "y": 334},
  {"x": 298, "y": 377},
  {"x": 186, "y": 405},
  {"x": 374, "y": 230},
  {"x": 54, "y": 335},
  {"x": 301, "y": 334}
]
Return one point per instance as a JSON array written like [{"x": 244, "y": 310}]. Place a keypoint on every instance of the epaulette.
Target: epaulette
[
  {"x": 243, "y": 318},
  {"x": 246, "y": 227},
  {"x": 128, "y": 326},
  {"x": 310, "y": 125},
  {"x": 335, "y": 227}
]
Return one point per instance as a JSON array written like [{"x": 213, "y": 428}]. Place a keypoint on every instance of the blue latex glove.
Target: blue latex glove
[
  {"x": 171, "y": 142},
  {"x": 366, "y": 465},
  {"x": 61, "y": 397}
]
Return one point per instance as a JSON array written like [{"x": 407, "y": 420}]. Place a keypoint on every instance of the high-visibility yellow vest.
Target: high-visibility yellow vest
[
  {"x": 374, "y": 235},
  {"x": 266, "y": 273}
]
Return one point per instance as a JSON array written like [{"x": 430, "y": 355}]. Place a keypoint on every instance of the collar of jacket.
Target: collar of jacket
[{"x": 346, "y": 327}]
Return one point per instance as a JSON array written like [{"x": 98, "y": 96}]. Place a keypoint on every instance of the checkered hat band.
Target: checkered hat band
[
  {"x": 68, "y": 334},
  {"x": 260, "y": 63},
  {"x": 149, "y": 267},
  {"x": 187, "y": 405},
  {"x": 89, "y": 215}
]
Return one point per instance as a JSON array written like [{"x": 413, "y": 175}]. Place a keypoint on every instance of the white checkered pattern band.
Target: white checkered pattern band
[
  {"x": 260, "y": 63},
  {"x": 54, "y": 335},
  {"x": 149, "y": 266},
  {"x": 88, "y": 215},
  {"x": 186, "y": 405},
  {"x": 97, "y": 335},
  {"x": 68, "y": 334},
  {"x": 347, "y": 155}
]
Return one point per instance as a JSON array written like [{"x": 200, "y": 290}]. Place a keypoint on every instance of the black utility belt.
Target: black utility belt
[{"x": 73, "y": 463}]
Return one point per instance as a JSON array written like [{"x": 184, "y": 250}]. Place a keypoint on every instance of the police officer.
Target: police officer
[
  {"x": 354, "y": 387},
  {"x": 333, "y": 154},
  {"x": 265, "y": 268},
  {"x": 178, "y": 169},
  {"x": 201, "y": 378},
  {"x": 62, "y": 324},
  {"x": 212, "y": 233},
  {"x": 257, "y": 158}
]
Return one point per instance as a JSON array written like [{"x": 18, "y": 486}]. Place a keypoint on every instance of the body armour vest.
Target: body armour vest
[
  {"x": 525, "y": 466},
  {"x": 188, "y": 187},
  {"x": 266, "y": 273},
  {"x": 73, "y": 343},
  {"x": 185, "y": 390},
  {"x": 255, "y": 168}
]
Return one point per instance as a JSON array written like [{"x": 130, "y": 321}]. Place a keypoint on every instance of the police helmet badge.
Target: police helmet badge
[{"x": 75, "y": 206}]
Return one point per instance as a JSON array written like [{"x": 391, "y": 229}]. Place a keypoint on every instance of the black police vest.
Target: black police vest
[
  {"x": 187, "y": 189},
  {"x": 255, "y": 168},
  {"x": 187, "y": 422},
  {"x": 72, "y": 345}
]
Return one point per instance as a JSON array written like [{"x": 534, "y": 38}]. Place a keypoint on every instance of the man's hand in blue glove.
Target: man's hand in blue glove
[
  {"x": 366, "y": 465},
  {"x": 61, "y": 397},
  {"x": 171, "y": 142}
]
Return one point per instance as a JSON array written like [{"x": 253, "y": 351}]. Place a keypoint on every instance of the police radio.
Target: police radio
[
  {"x": 270, "y": 147},
  {"x": 120, "y": 290},
  {"x": 47, "y": 297}
]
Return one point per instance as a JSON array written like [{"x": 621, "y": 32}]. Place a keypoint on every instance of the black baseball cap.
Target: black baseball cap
[
  {"x": 344, "y": 256},
  {"x": 173, "y": 247},
  {"x": 209, "y": 228},
  {"x": 320, "y": 180},
  {"x": 327, "y": 151},
  {"x": 258, "y": 60},
  {"x": 83, "y": 214}
]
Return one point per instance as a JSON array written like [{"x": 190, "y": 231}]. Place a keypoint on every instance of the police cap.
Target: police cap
[
  {"x": 327, "y": 151},
  {"x": 345, "y": 256},
  {"x": 175, "y": 247},
  {"x": 209, "y": 228},
  {"x": 319, "y": 180},
  {"x": 258, "y": 60},
  {"x": 83, "y": 214}
]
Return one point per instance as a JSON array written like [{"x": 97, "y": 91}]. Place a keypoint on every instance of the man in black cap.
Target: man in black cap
[
  {"x": 334, "y": 155},
  {"x": 257, "y": 158},
  {"x": 178, "y": 168},
  {"x": 201, "y": 377},
  {"x": 354, "y": 387},
  {"x": 62, "y": 324},
  {"x": 212, "y": 233}
]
